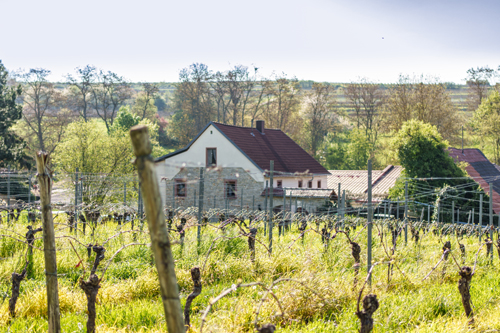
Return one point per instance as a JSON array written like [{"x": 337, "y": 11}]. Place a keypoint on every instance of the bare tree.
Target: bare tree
[
  {"x": 240, "y": 86},
  {"x": 220, "y": 88},
  {"x": 319, "y": 113},
  {"x": 147, "y": 97},
  {"x": 82, "y": 88},
  {"x": 366, "y": 98},
  {"x": 282, "y": 99},
  {"x": 423, "y": 99},
  {"x": 41, "y": 110},
  {"x": 109, "y": 92},
  {"x": 478, "y": 84}
]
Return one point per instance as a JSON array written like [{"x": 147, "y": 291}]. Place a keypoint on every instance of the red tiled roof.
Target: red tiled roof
[
  {"x": 481, "y": 170},
  {"x": 275, "y": 145},
  {"x": 469, "y": 155}
]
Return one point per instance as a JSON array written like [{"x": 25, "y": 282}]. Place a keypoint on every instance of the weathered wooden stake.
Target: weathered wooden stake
[
  {"x": 157, "y": 229},
  {"x": 49, "y": 243}
]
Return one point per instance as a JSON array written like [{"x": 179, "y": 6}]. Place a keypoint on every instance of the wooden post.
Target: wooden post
[
  {"x": 491, "y": 216},
  {"x": 49, "y": 242},
  {"x": 8, "y": 194},
  {"x": 200, "y": 205},
  {"x": 406, "y": 212},
  {"x": 480, "y": 223},
  {"x": 271, "y": 211},
  {"x": 368, "y": 220},
  {"x": 157, "y": 229}
]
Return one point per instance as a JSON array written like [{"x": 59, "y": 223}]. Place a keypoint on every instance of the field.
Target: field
[{"x": 304, "y": 286}]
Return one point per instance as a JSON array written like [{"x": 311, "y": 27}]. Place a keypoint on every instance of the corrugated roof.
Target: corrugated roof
[
  {"x": 273, "y": 144},
  {"x": 481, "y": 170},
  {"x": 355, "y": 182}
]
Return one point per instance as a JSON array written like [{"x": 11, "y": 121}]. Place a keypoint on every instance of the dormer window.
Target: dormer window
[{"x": 211, "y": 157}]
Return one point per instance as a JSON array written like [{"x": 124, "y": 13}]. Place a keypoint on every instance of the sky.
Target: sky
[{"x": 320, "y": 40}]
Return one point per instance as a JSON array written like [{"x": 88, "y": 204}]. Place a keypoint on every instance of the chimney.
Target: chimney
[{"x": 260, "y": 126}]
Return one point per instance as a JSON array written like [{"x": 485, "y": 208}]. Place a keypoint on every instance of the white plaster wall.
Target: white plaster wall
[
  {"x": 227, "y": 156},
  {"x": 294, "y": 181}
]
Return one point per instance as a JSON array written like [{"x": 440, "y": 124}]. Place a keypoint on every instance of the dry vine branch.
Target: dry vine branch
[
  {"x": 196, "y": 276},
  {"x": 370, "y": 305},
  {"x": 16, "y": 283}
]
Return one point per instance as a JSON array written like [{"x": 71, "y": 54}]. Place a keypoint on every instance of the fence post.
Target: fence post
[
  {"x": 480, "y": 224},
  {"x": 369, "y": 218},
  {"x": 429, "y": 214},
  {"x": 29, "y": 196},
  {"x": 75, "y": 223},
  {"x": 265, "y": 205},
  {"x": 343, "y": 208},
  {"x": 194, "y": 198},
  {"x": 241, "y": 203},
  {"x": 49, "y": 243},
  {"x": 453, "y": 212},
  {"x": 406, "y": 212},
  {"x": 8, "y": 194},
  {"x": 491, "y": 216},
  {"x": 271, "y": 212},
  {"x": 158, "y": 231},
  {"x": 173, "y": 195},
  {"x": 253, "y": 203},
  {"x": 125, "y": 193},
  {"x": 200, "y": 204},
  {"x": 339, "y": 203}
]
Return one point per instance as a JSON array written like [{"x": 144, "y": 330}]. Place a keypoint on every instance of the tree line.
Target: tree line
[{"x": 340, "y": 125}]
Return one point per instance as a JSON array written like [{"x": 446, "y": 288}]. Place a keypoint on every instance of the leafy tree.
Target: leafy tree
[
  {"x": 125, "y": 119},
  {"x": 486, "y": 121},
  {"x": 422, "y": 153},
  {"x": 347, "y": 150},
  {"x": 11, "y": 145}
]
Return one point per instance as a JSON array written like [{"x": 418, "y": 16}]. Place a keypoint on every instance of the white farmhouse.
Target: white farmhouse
[{"x": 236, "y": 163}]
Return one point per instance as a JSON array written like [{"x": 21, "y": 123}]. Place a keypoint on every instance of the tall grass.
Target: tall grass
[{"x": 319, "y": 297}]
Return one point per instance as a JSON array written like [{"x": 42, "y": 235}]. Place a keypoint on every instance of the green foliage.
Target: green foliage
[
  {"x": 347, "y": 150},
  {"x": 486, "y": 121},
  {"x": 11, "y": 145},
  {"x": 421, "y": 151},
  {"x": 125, "y": 119}
]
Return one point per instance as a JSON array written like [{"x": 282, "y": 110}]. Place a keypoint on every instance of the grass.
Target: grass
[{"x": 319, "y": 297}]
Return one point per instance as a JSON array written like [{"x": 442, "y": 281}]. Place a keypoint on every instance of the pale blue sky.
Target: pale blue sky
[{"x": 321, "y": 40}]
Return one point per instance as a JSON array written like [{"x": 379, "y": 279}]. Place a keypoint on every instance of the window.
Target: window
[
  {"x": 300, "y": 183},
  {"x": 180, "y": 188},
  {"x": 211, "y": 157},
  {"x": 230, "y": 189},
  {"x": 310, "y": 184},
  {"x": 319, "y": 183},
  {"x": 279, "y": 183}
]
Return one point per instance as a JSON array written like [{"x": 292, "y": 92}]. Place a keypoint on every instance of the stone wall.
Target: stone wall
[{"x": 214, "y": 182}]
